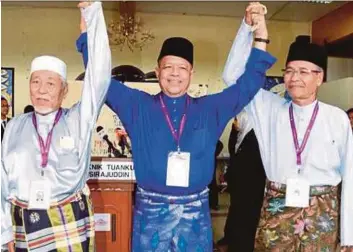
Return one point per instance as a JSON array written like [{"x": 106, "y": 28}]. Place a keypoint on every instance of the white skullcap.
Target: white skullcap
[{"x": 49, "y": 63}]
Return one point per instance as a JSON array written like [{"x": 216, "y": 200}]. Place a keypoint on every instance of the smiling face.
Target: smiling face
[
  {"x": 302, "y": 80},
  {"x": 47, "y": 91},
  {"x": 174, "y": 75}
]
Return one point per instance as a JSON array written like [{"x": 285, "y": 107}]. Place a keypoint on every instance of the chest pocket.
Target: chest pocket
[
  {"x": 196, "y": 137},
  {"x": 68, "y": 155},
  {"x": 325, "y": 155}
]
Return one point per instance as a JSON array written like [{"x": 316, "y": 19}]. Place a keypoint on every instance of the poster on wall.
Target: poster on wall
[
  {"x": 7, "y": 91},
  {"x": 275, "y": 84}
]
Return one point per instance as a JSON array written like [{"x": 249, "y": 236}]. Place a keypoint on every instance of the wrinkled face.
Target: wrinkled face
[
  {"x": 350, "y": 116},
  {"x": 4, "y": 108},
  {"x": 47, "y": 90},
  {"x": 302, "y": 80},
  {"x": 174, "y": 75}
]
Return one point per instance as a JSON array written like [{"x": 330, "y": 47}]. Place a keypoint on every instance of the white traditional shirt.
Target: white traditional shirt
[
  {"x": 328, "y": 156},
  {"x": 68, "y": 166}
]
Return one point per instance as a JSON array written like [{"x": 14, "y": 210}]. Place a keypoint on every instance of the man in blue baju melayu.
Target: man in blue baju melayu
[{"x": 174, "y": 138}]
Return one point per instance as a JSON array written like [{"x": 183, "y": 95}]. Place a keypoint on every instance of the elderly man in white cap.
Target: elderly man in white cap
[
  {"x": 173, "y": 171},
  {"x": 45, "y": 204}
]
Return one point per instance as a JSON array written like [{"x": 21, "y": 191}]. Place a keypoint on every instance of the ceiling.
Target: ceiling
[{"x": 301, "y": 11}]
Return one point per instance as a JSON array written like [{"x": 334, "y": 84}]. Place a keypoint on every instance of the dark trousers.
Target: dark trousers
[
  {"x": 213, "y": 194},
  {"x": 246, "y": 183},
  {"x": 243, "y": 218}
]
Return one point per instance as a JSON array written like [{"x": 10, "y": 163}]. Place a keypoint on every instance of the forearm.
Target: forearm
[
  {"x": 119, "y": 98},
  {"x": 234, "y": 98},
  {"x": 260, "y": 45},
  {"x": 238, "y": 55},
  {"x": 98, "y": 71}
]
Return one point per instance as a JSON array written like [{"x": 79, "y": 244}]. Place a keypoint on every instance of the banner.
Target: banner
[{"x": 122, "y": 169}]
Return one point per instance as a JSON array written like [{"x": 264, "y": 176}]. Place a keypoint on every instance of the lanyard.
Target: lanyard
[
  {"x": 176, "y": 135},
  {"x": 299, "y": 149},
  {"x": 44, "y": 148}
]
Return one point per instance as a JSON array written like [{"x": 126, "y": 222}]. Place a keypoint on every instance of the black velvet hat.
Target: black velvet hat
[
  {"x": 178, "y": 46},
  {"x": 302, "y": 49}
]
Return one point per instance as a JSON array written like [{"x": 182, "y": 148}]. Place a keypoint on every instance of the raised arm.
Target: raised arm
[
  {"x": 120, "y": 98},
  {"x": 97, "y": 78},
  {"x": 241, "y": 48},
  {"x": 239, "y": 54},
  {"x": 233, "y": 99}
]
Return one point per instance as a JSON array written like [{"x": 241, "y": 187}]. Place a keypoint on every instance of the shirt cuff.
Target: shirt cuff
[
  {"x": 81, "y": 42},
  {"x": 260, "y": 60},
  {"x": 246, "y": 26},
  {"x": 7, "y": 236}
]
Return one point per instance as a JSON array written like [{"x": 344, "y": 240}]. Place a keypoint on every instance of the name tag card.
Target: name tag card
[
  {"x": 178, "y": 169},
  {"x": 297, "y": 192},
  {"x": 39, "y": 194}
]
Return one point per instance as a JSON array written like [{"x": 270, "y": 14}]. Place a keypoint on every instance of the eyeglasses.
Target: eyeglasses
[{"x": 302, "y": 72}]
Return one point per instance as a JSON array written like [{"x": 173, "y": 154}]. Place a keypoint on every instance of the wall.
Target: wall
[
  {"x": 29, "y": 32},
  {"x": 339, "y": 68},
  {"x": 338, "y": 93}
]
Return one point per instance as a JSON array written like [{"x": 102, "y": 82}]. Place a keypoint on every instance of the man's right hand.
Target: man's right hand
[{"x": 11, "y": 246}]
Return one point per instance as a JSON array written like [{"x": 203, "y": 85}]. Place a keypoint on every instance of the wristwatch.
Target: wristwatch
[{"x": 267, "y": 41}]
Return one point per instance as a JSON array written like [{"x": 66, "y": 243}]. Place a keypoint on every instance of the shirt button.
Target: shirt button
[
  {"x": 174, "y": 120},
  {"x": 174, "y": 110},
  {"x": 174, "y": 101}
]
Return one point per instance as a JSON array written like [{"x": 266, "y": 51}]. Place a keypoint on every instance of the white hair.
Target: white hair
[{"x": 63, "y": 81}]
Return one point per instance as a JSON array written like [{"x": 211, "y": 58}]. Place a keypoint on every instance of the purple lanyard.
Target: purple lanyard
[
  {"x": 176, "y": 135},
  {"x": 299, "y": 149},
  {"x": 44, "y": 148}
]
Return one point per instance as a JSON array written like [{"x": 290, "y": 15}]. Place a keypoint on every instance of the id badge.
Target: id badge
[
  {"x": 178, "y": 169},
  {"x": 39, "y": 194},
  {"x": 297, "y": 192}
]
